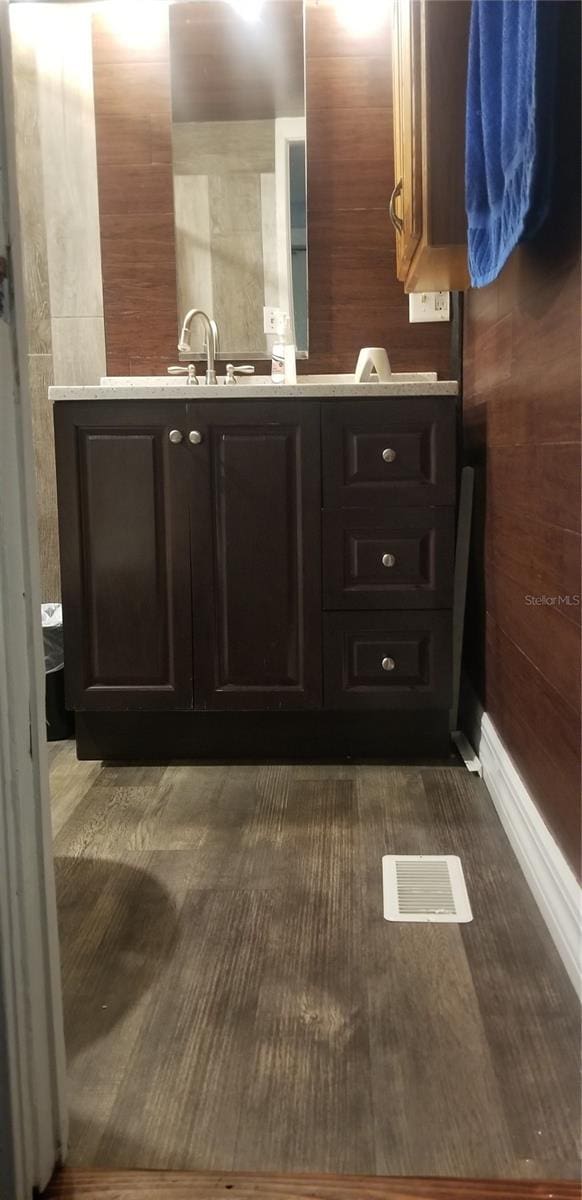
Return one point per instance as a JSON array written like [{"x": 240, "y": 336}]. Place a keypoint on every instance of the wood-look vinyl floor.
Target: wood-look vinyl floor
[{"x": 234, "y": 999}]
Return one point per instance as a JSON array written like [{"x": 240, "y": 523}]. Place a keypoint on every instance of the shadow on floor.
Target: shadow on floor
[{"x": 118, "y": 929}]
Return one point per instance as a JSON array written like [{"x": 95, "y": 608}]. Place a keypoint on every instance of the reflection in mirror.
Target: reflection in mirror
[{"x": 238, "y": 138}]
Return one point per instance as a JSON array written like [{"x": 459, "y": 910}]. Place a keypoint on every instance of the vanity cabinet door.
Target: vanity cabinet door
[
  {"x": 123, "y": 512},
  {"x": 256, "y": 566}
]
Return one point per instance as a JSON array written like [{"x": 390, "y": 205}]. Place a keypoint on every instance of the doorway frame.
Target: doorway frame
[{"x": 33, "y": 1109}]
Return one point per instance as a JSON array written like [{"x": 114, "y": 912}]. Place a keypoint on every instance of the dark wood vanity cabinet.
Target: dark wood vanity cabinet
[
  {"x": 190, "y": 551},
  {"x": 257, "y": 557}
]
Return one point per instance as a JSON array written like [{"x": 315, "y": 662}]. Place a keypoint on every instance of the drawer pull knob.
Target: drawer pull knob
[
  {"x": 388, "y": 455},
  {"x": 388, "y": 664},
  {"x": 388, "y": 560},
  {"x": 175, "y": 436},
  {"x": 195, "y": 437}
]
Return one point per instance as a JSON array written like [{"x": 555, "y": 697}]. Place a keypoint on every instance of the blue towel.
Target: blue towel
[{"x": 510, "y": 103}]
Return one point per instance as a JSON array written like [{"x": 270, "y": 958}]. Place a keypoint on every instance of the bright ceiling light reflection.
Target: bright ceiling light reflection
[
  {"x": 249, "y": 10},
  {"x": 361, "y": 17},
  {"x": 137, "y": 23}
]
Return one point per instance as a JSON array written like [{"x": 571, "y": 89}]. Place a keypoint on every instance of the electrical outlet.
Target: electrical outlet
[
  {"x": 271, "y": 319},
  {"x": 429, "y": 306}
]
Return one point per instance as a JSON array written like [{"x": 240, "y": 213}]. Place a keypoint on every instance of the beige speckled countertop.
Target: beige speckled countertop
[{"x": 164, "y": 389}]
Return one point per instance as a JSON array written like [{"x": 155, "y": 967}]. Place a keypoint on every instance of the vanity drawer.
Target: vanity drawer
[
  {"x": 387, "y": 660},
  {"x": 401, "y": 559},
  {"x": 401, "y": 451}
]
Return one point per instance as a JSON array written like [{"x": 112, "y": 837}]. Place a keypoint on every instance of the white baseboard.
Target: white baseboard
[{"x": 552, "y": 882}]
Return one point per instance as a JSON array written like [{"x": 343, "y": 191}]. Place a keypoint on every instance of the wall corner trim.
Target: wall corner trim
[{"x": 552, "y": 882}]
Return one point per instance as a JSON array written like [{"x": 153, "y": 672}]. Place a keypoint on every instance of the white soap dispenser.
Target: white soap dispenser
[{"x": 283, "y": 360}]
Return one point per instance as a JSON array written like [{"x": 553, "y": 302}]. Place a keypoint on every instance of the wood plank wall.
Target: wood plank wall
[
  {"x": 354, "y": 297},
  {"x": 522, "y": 430},
  {"x": 136, "y": 201}
]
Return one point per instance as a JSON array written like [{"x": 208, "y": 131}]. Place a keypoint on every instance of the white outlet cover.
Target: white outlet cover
[{"x": 429, "y": 306}]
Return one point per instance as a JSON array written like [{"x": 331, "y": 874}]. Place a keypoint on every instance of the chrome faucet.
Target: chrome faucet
[{"x": 210, "y": 343}]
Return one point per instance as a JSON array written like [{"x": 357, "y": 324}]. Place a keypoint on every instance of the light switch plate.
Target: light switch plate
[
  {"x": 271, "y": 319},
  {"x": 429, "y": 306}
]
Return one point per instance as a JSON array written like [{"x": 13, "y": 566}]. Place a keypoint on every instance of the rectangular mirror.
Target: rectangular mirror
[{"x": 238, "y": 146}]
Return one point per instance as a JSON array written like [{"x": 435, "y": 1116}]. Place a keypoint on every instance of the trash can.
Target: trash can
[{"x": 59, "y": 722}]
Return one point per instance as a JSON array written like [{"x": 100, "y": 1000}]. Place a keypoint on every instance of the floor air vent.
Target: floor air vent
[{"x": 425, "y": 887}]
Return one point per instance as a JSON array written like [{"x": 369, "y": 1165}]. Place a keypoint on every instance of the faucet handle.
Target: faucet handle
[
  {"x": 232, "y": 371},
  {"x": 190, "y": 371}
]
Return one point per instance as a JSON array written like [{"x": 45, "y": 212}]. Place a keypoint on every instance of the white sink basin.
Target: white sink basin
[{"x": 251, "y": 382}]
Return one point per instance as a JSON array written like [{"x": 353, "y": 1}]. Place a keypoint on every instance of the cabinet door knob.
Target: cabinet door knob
[
  {"x": 388, "y": 664},
  {"x": 195, "y": 437},
  {"x": 175, "y": 436},
  {"x": 388, "y": 560},
  {"x": 388, "y": 455}
]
